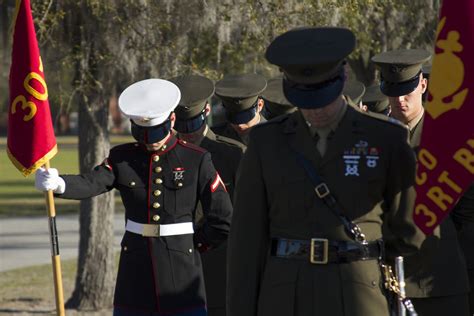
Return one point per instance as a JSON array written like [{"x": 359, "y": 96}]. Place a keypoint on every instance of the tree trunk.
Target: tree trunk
[{"x": 96, "y": 266}]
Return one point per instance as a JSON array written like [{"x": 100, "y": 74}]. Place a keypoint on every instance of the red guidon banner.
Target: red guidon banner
[
  {"x": 31, "y": 141},
  {"x": 446, "y": 157}
]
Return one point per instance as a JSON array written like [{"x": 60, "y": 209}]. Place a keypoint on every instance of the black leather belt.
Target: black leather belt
[{"x": 323, "y": 251}]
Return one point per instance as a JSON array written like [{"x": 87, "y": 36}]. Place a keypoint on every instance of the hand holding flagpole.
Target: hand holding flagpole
[{"x": 56, "y": 259}]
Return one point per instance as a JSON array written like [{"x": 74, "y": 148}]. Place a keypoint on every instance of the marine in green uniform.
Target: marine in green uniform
[
  {"x": 289, "y": 253},
  {"x": 275, "y": 102},
  {"x": 240, "y": 97},
  {"x": 436, "y": 278},
  {"x": 375, "y": 101},
  {"x": 191, "y": 113},
  {"x": 160, "y": 179}
]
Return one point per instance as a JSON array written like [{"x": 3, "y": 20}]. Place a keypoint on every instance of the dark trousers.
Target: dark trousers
[{"x": 454, "y": 305}]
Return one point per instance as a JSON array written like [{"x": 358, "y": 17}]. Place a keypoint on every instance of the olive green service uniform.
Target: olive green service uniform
[
  {"x": 275, "y": 266},
  {"x": 239, "y": 95},
  {"x": 226, "y": 154},
  {"x": 276, "y": 103},
  {"x": 436, "y": 277}
]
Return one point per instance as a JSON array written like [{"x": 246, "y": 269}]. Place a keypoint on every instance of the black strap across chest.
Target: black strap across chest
[{"x": 323, "y": 192}]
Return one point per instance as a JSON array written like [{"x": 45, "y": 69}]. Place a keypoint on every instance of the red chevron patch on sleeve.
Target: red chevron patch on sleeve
[{"x": 216, "y": 182}]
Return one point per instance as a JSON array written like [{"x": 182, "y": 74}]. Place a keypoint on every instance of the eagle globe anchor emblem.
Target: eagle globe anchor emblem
[{"x": 446, "y": 65}]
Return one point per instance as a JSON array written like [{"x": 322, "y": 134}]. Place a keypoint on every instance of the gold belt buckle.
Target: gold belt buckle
[
  {"x": 150, "y": 230},
  {"x": 312, "y": 258}
]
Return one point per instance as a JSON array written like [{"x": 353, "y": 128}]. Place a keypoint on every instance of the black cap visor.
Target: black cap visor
[
  {"x": 316, "y": 95},
  {"x": 152, "y": 134},
  {"x": 191, "y": 125},
  {"x": 242, "y": 117},
  {"x": 396, "y": 89}
]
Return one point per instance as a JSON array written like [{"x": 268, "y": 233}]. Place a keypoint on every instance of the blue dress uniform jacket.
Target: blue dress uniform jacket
[
  {"x": 161, "y": 274},
  {"x": 275, "y": 199}
]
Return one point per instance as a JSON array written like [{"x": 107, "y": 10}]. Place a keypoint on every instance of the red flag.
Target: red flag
[
  {"x": 31, "y": 141},
  {"x": 446, "y": 156}
]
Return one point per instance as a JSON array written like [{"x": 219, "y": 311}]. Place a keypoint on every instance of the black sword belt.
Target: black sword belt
[{"x": 324, "y": 251}]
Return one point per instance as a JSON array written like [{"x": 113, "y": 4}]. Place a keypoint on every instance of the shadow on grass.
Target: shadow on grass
[
  {"x": 14, "y": 311},
  {"x": 18, "y": 183},
  {"x": 33, "y": 307}
]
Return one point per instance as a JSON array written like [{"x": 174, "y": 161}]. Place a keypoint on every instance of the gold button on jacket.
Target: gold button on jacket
[{"x": 166, "y": 269}]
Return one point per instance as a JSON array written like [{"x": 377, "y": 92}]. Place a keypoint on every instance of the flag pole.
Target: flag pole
[{"x": 55, "y": 258}]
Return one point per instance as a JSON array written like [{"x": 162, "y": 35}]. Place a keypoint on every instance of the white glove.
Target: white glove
[{"x": 46, "y": 180}]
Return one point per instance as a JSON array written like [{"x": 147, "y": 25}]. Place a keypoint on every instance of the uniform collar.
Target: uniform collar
[
  {"x": 333, "y": 125},
  {"x": 209, "y": 134},
  {"x": 413, "y": 123},
  {"x": 204, "y": 134},
  {"x": 170, "y": 144},
  {"x": 349, "y": 131}
]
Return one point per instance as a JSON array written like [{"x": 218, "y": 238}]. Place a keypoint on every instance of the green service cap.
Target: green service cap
[
  {"x": 400, "y": 70},
  {"x": 195, "y": 93},
  {"x": 375, "y": 100},
  {"x": 275, "y": 100},
  {"x": 311, "y": 59},
  {"x": 354, "y": 90},
  {"x": 240, "y": 92}
]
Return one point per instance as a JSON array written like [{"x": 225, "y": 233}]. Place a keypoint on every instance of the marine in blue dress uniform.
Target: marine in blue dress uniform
[{"x": 161, "y": 180}]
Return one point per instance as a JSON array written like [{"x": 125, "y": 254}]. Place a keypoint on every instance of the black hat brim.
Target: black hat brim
[
  {"x": 399, "y": 88},
  {"x": 307, "y": 97}
]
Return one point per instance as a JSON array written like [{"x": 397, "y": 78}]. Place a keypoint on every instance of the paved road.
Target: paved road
[{"x": 25, "y": 241}]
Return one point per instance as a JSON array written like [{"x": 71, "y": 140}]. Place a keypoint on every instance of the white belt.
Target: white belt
[{"x": 157, "y": 230}]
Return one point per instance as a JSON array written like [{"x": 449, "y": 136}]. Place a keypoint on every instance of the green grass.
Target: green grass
[
  {"x": 30, "y": 290},
  {"x": 18, "y": 196}
]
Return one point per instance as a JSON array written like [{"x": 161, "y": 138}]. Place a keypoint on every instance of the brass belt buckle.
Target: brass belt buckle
[
  {"x": 322, "y": 190},
  {"x": 314, "y": 243},
  {"x": 150, "y": 230}
]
